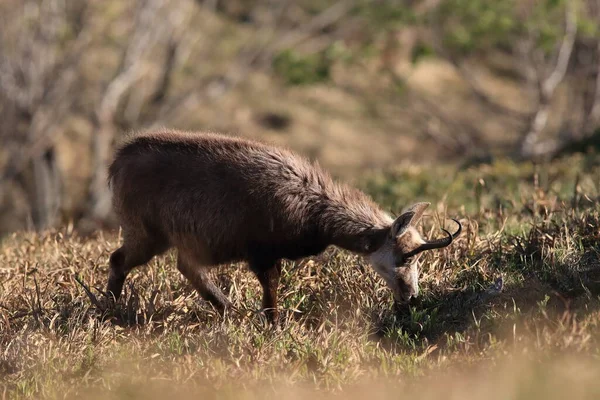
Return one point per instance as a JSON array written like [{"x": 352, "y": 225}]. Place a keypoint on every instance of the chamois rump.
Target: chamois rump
[{"x": 221, "y": 199}]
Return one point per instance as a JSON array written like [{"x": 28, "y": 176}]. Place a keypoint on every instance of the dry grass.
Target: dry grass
[{"x": 509, "y": 311}]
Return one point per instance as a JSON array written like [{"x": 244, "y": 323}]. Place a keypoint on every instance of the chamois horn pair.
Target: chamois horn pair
[{"x": 438, "y": 243}]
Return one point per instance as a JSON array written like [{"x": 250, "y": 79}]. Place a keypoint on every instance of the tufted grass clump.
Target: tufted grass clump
[{"x": 510, "y": 310}]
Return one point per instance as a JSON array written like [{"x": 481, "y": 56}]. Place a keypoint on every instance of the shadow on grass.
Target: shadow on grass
[
  {"x": 551, "y": 270},
  {"x": 425, "y": 321},
  {"x": 134, "y": 309}
]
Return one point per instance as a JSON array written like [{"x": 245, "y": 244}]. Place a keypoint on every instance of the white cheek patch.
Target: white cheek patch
[
  {"x": 383, "y": 258},
  {"x": 383, "y": 263}
]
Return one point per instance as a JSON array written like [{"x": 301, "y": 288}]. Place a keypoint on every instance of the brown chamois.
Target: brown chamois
[{"x": 220, "y": 199}]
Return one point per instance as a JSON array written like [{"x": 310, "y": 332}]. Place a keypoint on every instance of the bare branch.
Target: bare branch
[
  {"x": 52, "y": 106},
  {"x": 530, "y": 144},
  {"x": 458, "y": 142},
  {"x": 564, "y": 54},
  {"x": 470, "y": 77},
  {"x": 143, "y": 37},
  {"x": 249, "y": 55},
  {"x": 592, "y": 120},
  {"x": 148, "y": 31},
  {"x": 328, "y": 17},
  {"x": 210, "y": 5},
  {"x": 167, "y": 72}
]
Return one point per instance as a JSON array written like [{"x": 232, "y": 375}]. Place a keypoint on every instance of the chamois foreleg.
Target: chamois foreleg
[
  {"x": 268, "y": 274},
  {"x": 135, "y": 251}
]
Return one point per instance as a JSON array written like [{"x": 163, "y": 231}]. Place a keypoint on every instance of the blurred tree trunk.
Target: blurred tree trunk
[
  {"x": 531, "y": 144},
  {"x": 46, "y": 192},
  {"x": 150, "y": 30},
  {"x": 100, "y": 196},
  {"x": 38, "y": 72},
  {"x": 565, "y": 67}
]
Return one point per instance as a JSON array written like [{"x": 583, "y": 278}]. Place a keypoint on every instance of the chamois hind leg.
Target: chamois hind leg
[
  {"x": 133, "y": 253},
  {"x": 199, "y": 278},
  {"x": 268, "y": 274}
]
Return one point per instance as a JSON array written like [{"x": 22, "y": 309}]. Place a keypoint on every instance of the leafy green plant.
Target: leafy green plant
[{"x": 298, "y": 69}]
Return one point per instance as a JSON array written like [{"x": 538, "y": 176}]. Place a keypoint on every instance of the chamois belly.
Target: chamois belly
[
  {"x": 290, "y": 250},
  {"x": 253, "y": 251}
]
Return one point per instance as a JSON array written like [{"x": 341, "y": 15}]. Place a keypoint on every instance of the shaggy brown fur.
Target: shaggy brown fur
[{"x": 221, "y": 199}]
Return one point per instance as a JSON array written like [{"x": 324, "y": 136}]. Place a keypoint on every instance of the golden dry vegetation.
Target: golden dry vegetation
[{"x": 510, "y": 310}]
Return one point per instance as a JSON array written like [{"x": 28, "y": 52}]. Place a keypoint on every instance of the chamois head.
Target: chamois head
[{"x": 396, "y": 260}]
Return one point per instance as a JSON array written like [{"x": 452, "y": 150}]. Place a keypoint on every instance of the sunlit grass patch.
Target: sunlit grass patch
[{"x": 519, "y": 287}]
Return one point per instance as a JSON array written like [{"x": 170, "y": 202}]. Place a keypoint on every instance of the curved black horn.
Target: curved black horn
[
  {"x": 457, "y": 233},
  {"x": 438, "y": 243}
]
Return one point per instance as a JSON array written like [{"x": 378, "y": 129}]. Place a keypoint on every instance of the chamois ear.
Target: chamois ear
[
  {"x": 402, "y": 223},
  {"x": 409, "y": 217},
  {"x": 418, "y": 209}
]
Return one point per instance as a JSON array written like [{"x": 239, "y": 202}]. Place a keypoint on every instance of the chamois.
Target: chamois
[{"x": 221, "y": 199}]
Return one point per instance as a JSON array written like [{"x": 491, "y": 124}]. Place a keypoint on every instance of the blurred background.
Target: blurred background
[{"x": 357, "y": 84}]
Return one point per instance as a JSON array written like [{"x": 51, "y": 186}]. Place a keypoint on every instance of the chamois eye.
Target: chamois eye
[{"x": 401, "y": 261}]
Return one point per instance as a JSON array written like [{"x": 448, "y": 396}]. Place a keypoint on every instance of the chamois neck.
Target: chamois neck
[{"x": 354, "y": 222}]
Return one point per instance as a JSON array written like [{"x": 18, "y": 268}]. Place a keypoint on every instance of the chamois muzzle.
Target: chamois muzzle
[{"x": 438, "y": 243}]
